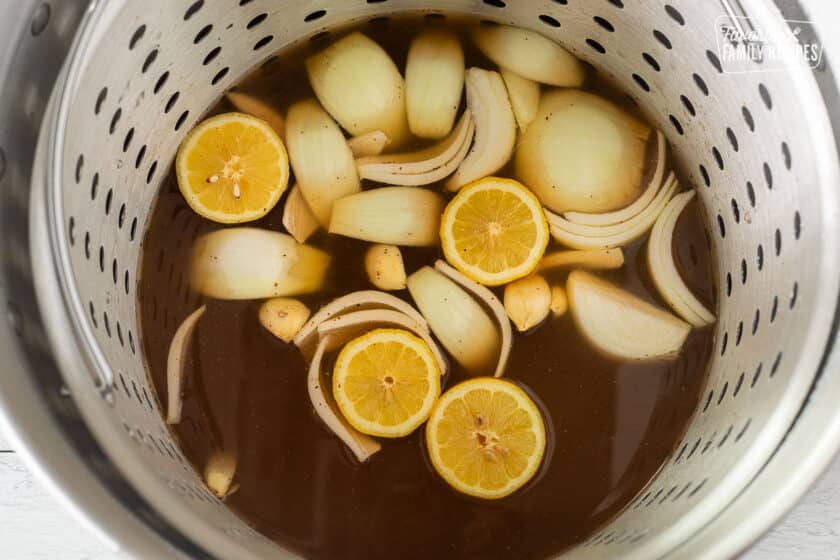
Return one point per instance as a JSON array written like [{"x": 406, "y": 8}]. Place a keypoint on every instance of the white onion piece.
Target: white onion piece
[
  {"x": 582, "y": 153},
  {"x": 368, "y": 144},
  {"x": 529, "y": 54},
  {"x": 251, "y": 263},
  {"x": 424, "y": 166},
  {"x": 394, "y": 215},
  {"x": 323, "y": 163},
  {"x": 620, "y": 324},
  {"x": 360, "y": 86},
  {"x": 384, "y": 266},
  {"x": 528, "y": 301},
  {"x": 618, "y": 216},
  {"x": 307, "y": 337},
  {"x": 298, "y": 219},
  {"x": 175, "y": 360},
  {"x": 219, "y": 472},
  {"x": 524, "y": 97},
  {"x": 434, "y": 78},
  {"x": 663, "y": 269},
  {"x": 256, "y": 107},
  {"x": 463, "y": 327},
  {"x": 616, "y": 237},
  {"x": 495, "y": 128},
  {"x": 348, "y": 326},
  {"x": 595, "y": 259},
  {"x": 490, "y": 302},
  {"x": 283, "y": 317},
  {"x": 361, "y": 445}
]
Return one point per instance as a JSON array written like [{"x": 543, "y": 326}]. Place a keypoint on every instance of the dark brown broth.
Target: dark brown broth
[{"x": 611, "y": 425}]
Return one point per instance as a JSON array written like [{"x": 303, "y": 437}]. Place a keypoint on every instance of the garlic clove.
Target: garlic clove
[
  {"x": 434, "y": 79},
  {"x": 528, "y": 301},
  {"x": 559, "y": 301},
  {"x": 175, "y": 360},
  {"x": 256, "y": 107},
  {"x": 368, "y": 144},
  {"x": 384, "y": 266},
  {"x": 283, "y": 317},
  {"x": 219, "y": 473},
  {"x": 524, "y": 97},
  {"x": 298, "y": 219}
]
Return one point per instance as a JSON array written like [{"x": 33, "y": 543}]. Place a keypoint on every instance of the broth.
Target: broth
[{"x": 610, "y": 425}]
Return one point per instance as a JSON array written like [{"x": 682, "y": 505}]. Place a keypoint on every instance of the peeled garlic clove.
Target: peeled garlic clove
[
  {"x": 307, "y": 338},
  {"x": 394, "y": 215},
  {"x": 559, "y": 301},
  {"x": 663, "y": 269},
  {"x": 219, "y": 472},
  {"x": 495, "y": 128},
  {"x": 424, "y": 166},
  {"x": 252, "y": 263},
  {"x": 283, "y": 317},
  {"x": 598, "y": 259},
  {"x": 621, "y": 324},
  {"x": 361, "y": 445},
  {"x": 384, "y": 266},
  {"x": 256, "y": 107},
  {"x": 529, "y": 54},
  {"x": 298, "y": 219},
  {"x": 323, "y": 163},
  {"x": 434, "y": 78},
  {"x": 528, "y": 301},
  {"x": 175, "y": 360},
  {"x": 524, "y": 97},
  {"x": 360, "y": 86},
  {"x": 368, "y": 144}
]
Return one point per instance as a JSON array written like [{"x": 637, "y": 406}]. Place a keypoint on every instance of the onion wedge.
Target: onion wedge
[
  {"x": 490, "y": 302},
  {"x": 307, "y": 338},
  {"x": 495, "y": 128},
  {"x": 434, "y": 78},
  {"x": 362, "y": 446},
  {"x": 368, "y": 144},
  {"x": 524, "y": 97},
  {"x": 391, "y": 215},
  {"x": 178, "y": 349},
  {"x": 529, "y": 54},
  {"x": 319, "y": 155},
  {"x": 618, "y": 216},
  {"x": 425, "y": 166},
  {"x": 579, "y": 236},
  {"x": 620, "y": 324},
  {"x": 663, "y": 269},
  {"x": 251, "y": 263},
  {"x": 298, "y": 219},
  {"x": 594, "y": 259},
  {"x": 256, "y": 107}
]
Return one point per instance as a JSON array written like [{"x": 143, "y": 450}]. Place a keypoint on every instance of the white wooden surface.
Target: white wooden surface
[{"x": 34, "y": 527}]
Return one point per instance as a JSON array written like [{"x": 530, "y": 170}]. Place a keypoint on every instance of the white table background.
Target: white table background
[{"x": 34, "y": 527}]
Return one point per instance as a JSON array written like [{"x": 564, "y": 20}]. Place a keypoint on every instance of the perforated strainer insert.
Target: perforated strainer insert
[{"x": 756, "y": 146}]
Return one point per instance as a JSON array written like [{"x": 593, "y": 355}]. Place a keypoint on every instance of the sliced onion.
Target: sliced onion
[
  {"x": 618, "y": 235},
  {"x": 524, "y": 97},
  {"x": 394, "y": 215},
  {"x": 620, "y": 324},
  {"x": 529, "y": 54},
  {"x": 256, "y": 107},
  {"x": 425, "y": 166},
  {"x": 384, "y": 266},
  {"x": 434, "y": 78},
  {"x": 178, "y": 349},
  {"x": 368, "y": 144},
  {"x": 307, "y": 337},
  {"x": 596, "y": 259},
  {"x": 495, "y": 128},
  {"x": 618, "y": 216},
  {"x": 251, "y": 263},
  {"x": 663, "y": 269},
  {"x": 490, "y": 302},
  {"x": 582, "y": 153},
  {"x": 323, "y": 163},
  {"x": 298, "y": 219},
  {"x": 528, "y": 301},
  {"x": 219, "y": 472},
  {"x": 361, "y": 445},
  {"x": 360, "y": 86}
]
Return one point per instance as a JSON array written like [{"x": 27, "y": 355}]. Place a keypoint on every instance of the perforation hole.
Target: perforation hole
[
  {"x": 743, "y": 430},
  {"x": 114, "y": 271},
  {"x": 133, "y": 229},
  {"x": 171, "y": 101},
  {"x": 106, "y": 323},
  {"x": 202, "y": 33},
  {"x": 550, "y": 21},
  {"x": 756, "y": 375},
  {"x": 768, "y": 176},
  {"x": 193, "y": 9},
  {"x": 127, "y": 140},
  {"x": 786, "y": 155},
  {"x": 126, "y": 282},
  {"x": 708, "y": 400},
  {"x": 774, "y": 309},
  {"x": 599, "y": 48},
  {"x": 721, "y": 227},
  {"x": 705, "y": 176},
  {"x": 751, "y": 194},
  {"x": 108, "y": 199},
  {"x": 701, "y": 85},
  {"x": 759, "y": 257},
  {"x": 181, "y": 120},
  {"x": 100, "y": 99},
  {"x": 256, "y": 20},
  {"x": 115, "y": 120},
  {"x": 718, "y": 157},
  {"x": 121, "y": 216},
  {"x": 797, "y": 225},
  {"x": 263, "y": 42},
  {"x": 219, "y": 75},
  {"x": 152, "y": 168},
  {"x": 723, "y": 344},
  {"x": 141, "y": 153},
  {"x": 150, "y": 59},
  {"x": 689, "y": 106},
  {"x": 92, "y": 311},
  {"x": 778, "y": 242},
  {"x": 616, "y": 3},
  {"x": 756, "y": 321},
  {"x": 794, "y": 294},
  {"x": 697, "y": 488},
  {"x": 714, "y": 60},
  {"x": 674, "y": 14},
  {"x": 161, "y": 81},
  {"x": 765, "y": 96},
  {"x": 136, "y": 36},
  {"x": 652, "y": 62},
  {"x": 743, "y": 271},
  {"x": 94, "y": 186},
  {"x": 312, "y": 16},
  {"x": 748, "y": 118},
  {"x": 728, "y": 284},
  {"x": 723, "y": 393},
  {"x": 733, "y": 140},
  {"x": 693, "y": 449},
  {"x": 739, "y": 332},
  {"x": 211, "y": 56},
  {"x": 725, "y": 436},
  {"x": 101, "y": 258},
  {"x": 80, "y": 164},
  {"x": 131, "y": 342},
  {"x": 605, "y": 24},
  {"x": 676, "y": 124},
  {"x": 663, "y": 39},
  {"x": 87, "y": 245},
  {"x": 319, "y": 36}
]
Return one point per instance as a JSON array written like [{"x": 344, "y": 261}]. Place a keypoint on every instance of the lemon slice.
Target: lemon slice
[
  {"x": 232, "y": 168},
  {"x": 494, "y": 231},
  {"x": 486, "y": 438},
  {"x": 385, "y": 382}
]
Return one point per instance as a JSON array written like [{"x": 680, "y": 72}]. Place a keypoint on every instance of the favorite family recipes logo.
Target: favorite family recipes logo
[{"x": 749, "y": 45}]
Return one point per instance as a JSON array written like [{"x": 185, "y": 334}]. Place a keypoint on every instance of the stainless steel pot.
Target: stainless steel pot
[{"x": 758, "y": 145}]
